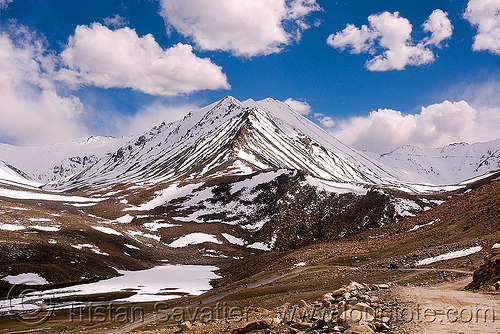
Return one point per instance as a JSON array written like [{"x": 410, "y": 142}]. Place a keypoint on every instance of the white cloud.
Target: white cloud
[
  {"x": 148, "y": 117},
  {"x": 4, "y": 3},
  {"x": 245, "y": 28},
  {"x": 326, "y": 121},
  {"x": 439, "y": 26},
  {"x": 115, "y": 22},
  {"x": 304, "y": 108},
  {"x": 31, "y": 110},
  {"x": 485, "y": 14},
  {"x": 301, "y": 107},
  {"x": 392, "y": 33},
  {"x": 395, "y": 36},
  {"x": 96, "y": 55},
  {"x": 357, "y": 39},
  {"x": 436, "y": 125}
]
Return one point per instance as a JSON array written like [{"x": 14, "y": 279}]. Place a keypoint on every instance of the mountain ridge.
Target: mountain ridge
[
  {"x": 450, "y": 164},
  {"x": 301, "y": 145}
]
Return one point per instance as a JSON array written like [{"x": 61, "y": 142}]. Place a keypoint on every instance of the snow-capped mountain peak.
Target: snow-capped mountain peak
[
  {"x": 230, "y": 137},
  {"x": 234, "y": 138}
]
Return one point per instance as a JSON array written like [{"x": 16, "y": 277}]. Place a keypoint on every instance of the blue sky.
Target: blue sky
[{"x": 384, "y": 78}]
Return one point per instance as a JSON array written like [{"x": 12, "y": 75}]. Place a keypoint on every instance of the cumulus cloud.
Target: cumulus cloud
[
  {"x": 436, "y": 125},
  {"x": 96, "y": 55},
  {"x": 439, "y": 26},
  {"x": 326, "y": 121},
  {"x": 4, "y": 3},
  {"x": 485, "y": 14},
  {"x": 245, "y": 28},
  {"x": 31, "y": 109},
  {"x": 392, "y": 33},
  {"x": 301, "y": 107},
  {"x": 115, "y": 22}
]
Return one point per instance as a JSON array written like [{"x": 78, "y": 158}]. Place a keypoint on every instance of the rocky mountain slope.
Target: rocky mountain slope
[
  {"x": 228, "y": 181},
  {"x": 232, "y": 138}
]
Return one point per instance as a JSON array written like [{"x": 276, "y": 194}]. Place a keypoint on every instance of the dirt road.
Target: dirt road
[
  {"x": 446, "y": 308},
  {"x": 156, "y": 316}
]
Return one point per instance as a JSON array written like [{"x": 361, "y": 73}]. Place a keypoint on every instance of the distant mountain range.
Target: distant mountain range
[
  {"x": 238, "y": 138},
  {"x": 450, "y": 164}
]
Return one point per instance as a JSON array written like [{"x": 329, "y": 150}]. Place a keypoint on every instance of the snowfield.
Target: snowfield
[
  {"x": 107, "y": 230},
  {"x": 26, "y": 278},
  {"x": 18, "y": 194},
  {"x": 194, "y": 239},
  {"x": 449, "y": 256}
]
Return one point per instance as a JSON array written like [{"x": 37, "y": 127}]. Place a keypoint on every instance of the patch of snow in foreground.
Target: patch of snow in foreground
[
  {"x": 495, "y": 246},
  {"x": 11, "y": 227},
  {"x": 92, "y": 247},
  {"x": 81, "y": 205},
  {"x": 193, "y": 239},
  {"x": 142, "y": 234},
  {"x": 155, "y": 226},
  {"x": 449, "y": 256},
  {"x": 234, "y": 240},
  {"x": 106, "y": 230},
  {"x": 300, "y": 264},
  {"x": 416, "y": 227},
  {"x": 26, "y": 278},
  {"x": 260, "y": 245},
  {"x": 124, "y": 219},
  {"x": 46, "y": 228}
]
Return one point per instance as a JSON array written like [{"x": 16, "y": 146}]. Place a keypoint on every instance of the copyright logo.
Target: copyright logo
[{"x": 30, "y": 305}]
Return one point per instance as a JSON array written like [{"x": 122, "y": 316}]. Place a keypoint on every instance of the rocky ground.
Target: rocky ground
[
  {"x": 487, "y": 277},
  {"x": 354, "y": 308}
]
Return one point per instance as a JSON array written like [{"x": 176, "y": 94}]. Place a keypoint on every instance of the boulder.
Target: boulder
[
  {"x": 185, "y": 326},
  {"x": 338, "y": 292},
  {"x": 327, "y": 297},
  {"x": 383, "y": 286},
  {"x": 326, "y": 304},
  {"x": 364, "y": 308},
  {"x": 362, "y": 329},
  {"x": 302, "y": 326},
  {"x": 351, "y": 318},
  {"x": 258, "y": 324},
  {"x": 354, "y": 286}
]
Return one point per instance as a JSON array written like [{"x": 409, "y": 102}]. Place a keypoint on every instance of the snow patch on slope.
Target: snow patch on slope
[
  {"x": 194, "y": 239},
  {"x": 450, "y": 255}
]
